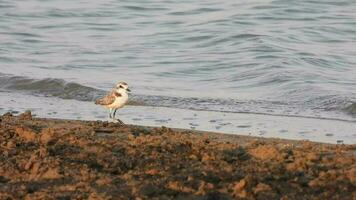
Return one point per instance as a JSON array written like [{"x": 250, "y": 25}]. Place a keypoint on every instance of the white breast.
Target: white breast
[{"x": 120, "y": 101}]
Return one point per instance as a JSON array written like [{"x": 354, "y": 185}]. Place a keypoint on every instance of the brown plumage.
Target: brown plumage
[
  {"x": 115, "y": 99},
  {"x": 108, "y": 99}
]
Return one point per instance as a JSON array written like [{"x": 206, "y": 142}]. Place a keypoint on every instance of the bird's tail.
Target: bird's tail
[{"x": 98, "y": 102}]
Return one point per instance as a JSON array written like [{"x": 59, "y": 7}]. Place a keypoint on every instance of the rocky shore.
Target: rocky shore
[{"x": 69, "y": 159}]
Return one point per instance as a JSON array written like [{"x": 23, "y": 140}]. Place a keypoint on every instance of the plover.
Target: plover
[{"x": 115, "y": 99}]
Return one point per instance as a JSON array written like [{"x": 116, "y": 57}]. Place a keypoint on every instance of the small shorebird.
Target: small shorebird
[{"x": 115, "y": 99}]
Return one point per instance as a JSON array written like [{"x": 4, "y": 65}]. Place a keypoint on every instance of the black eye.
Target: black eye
[{"x": 121, "y": 86}]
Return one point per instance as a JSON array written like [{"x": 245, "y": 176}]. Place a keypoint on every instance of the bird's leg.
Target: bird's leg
[
  {"x": 110, "y": 117},
  {"x": 116, "y": 119},
  {"x": 114, "y": 113}
]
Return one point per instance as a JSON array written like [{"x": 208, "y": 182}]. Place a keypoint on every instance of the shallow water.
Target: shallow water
[
  {"x": 276, "y": 58},
  {"x": 320, "y": 130}
]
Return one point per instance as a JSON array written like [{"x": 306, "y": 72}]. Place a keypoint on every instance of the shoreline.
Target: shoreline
[
  {"x": 57, "y": 158},
  {"x": 268, "y": 126},
  {"x": 216, "y": 136}
]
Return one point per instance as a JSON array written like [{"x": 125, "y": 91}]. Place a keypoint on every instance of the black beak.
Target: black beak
[{"x": 128, "y": 90}]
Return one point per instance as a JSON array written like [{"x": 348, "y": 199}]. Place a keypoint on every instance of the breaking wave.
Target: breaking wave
[
  {"x": 328, "y": 107},
  {"x": 50, "y": 87}
]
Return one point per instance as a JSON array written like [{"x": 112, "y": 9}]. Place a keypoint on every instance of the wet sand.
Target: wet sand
[
  {"x": 71, "y": 159},
  {"x": 249, "y": 124}
]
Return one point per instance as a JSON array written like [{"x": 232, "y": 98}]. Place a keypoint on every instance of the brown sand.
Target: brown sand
[{"x": 67, "y": 159}]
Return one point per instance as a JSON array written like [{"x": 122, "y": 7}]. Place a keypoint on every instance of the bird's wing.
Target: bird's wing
[{"x": 108, "y": 99}]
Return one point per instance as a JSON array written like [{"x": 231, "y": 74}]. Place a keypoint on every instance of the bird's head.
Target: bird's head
[{"x": 122, "y": 86}]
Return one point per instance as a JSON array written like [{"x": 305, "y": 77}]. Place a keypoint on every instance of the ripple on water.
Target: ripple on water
[
  {"x": 243, "y": 126},
  {"x": 295, "y": 53}
]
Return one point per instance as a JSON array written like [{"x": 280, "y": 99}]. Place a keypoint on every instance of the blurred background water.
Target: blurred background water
[{"x": 271, "y": 57}]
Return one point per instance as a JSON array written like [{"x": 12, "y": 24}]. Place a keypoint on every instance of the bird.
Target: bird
[{"x": 115, "y": 99}]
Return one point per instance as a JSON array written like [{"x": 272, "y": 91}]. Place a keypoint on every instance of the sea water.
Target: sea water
[{"x": 259, "y": 67}]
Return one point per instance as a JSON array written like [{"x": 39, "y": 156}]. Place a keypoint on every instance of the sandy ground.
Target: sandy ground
[{"x": 68, "y": 159}]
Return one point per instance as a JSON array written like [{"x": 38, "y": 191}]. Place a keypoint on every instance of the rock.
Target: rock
[
  {"x": 30, "y": 162},
  {"x": 206, "y": 157},
  {"x": 95, "y": 196},
  {"x": 193, "y": 157},
  {"x": 233, "y": 155},
  {"x": 176, "y": 186},
  {"x": 52, "y": 173},
  {"x": 351, "y": 175},
  {"x": 152, "y": 172},
  {"x": 26, "y": 115},
  {"x": 239, "y": 186},
  {"x": 35, "y": 170},
  {"x": 10, "y": 144},
  {"x": 150, "y": 190},
  {"x": 103, "y": 181},
  {"x": 312, "y": 157},
  {"x": 265, "y": 152},
  {"x": 64, "y": 161},
  {"x": 204, "y": 187},
  {"x": 131, "y": 137},
  {"x": 314, "y": 183},
  {"x": 240, "y": 194},
  {"x": 46, "y": 136},
  {"x": 7, "y": 114},
  {"x": 27, "y": 135},
  {"x": 261, "y": 187}
]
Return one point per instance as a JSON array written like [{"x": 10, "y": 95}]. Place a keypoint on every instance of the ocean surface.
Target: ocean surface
[{"x": 259, "y": 67}]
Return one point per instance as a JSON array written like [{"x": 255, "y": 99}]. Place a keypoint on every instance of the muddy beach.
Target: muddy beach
[{"x": 69, "y": 159}]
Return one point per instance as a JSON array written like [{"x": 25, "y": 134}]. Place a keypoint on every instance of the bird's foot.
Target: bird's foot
[{"x": 118, "y": 121}]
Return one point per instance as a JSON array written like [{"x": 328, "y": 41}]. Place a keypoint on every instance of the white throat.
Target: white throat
[{"x": 121, "y": 91}]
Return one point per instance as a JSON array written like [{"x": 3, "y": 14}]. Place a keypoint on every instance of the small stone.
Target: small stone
[
  {"x": 351, "y": 175},
  {"x": 261, "y": 187},
  {"x": 313, "y": 183},
  {"x": 312, "y": 157},
  {"x": 25, "y": 134},
  {"x": 10, "y": 144},
  {"x": 152, "y": 172},
  {"x": 239, "y": 185},
  {"x": 103, "y": 181},
  {"x": 8, "y": 114},
  {"x": 26, "y": 115},
  {"x": 46, "y": 135},
  {"x": 52, "y": 173},
  {"x": 265, "y": 152},
  {"x": 131, "y": 137},
  {"x": 241, "y": 194}
]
